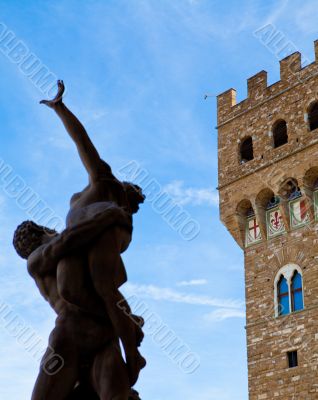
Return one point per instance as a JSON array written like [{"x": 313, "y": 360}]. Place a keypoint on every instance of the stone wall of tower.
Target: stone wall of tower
[{"x": 269, "y": 338}]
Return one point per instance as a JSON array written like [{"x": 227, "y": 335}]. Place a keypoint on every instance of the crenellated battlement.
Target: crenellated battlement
[{"x": 291, "y": 74}]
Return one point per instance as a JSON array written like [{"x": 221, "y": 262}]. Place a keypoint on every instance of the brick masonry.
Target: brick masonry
[{"x": 269, "y": 338}]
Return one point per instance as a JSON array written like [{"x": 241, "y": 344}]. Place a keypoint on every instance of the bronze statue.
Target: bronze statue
[{"x": 79, "y": 273}]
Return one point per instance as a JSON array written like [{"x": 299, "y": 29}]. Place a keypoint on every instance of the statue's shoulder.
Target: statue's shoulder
[{"x": 34, "y": 260}]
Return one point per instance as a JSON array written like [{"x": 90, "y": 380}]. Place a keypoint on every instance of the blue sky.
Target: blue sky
[{"x": 136, "y": 74}]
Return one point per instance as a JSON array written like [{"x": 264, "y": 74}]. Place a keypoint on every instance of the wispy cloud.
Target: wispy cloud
[
  {"x": 167, "y": 294},
  {"x": 276, "y": 12},
  {"x": 193, "y": 282},
  {"x": 222, "y": 314},
  {"x": 190, "y": 195}
]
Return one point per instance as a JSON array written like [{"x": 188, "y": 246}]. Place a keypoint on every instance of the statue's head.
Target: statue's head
[
  {"x": 29, "y": 236},
  {"x": 134, "y": 196}
]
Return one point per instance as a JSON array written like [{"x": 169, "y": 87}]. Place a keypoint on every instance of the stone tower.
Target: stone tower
[{"x": 268, "y": 186}]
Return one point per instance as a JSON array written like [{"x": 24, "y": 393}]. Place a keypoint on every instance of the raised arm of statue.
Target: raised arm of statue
[{"x": 87, "y": 151}]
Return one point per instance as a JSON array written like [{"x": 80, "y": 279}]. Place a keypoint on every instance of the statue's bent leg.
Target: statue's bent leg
[
  {"x": 59, "y": 385},
  {"x": 105, "y": 262},
  {"x": 109, "y": 374}
]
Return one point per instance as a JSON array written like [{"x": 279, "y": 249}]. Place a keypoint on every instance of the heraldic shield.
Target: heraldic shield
[{"x": 274, "y": 222}]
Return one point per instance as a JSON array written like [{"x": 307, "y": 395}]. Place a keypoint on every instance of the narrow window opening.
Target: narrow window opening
[
  {"x": 313, "y": 117},
  {"x": 280, "y": 135},
  {"x": 297, "y": 292},
  {"x": 247, "y": 150},
  {"x": 292, "y": 357},
  {"x": 283, "y": 296}
]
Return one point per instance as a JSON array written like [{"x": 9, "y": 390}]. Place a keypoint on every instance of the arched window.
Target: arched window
[
  {"x": 297, "y": 292},
  {"x": 283, "y": 296},
  {"x": 280, "y": 135},
  {"x": 313, "y": 116},
  {"x": 288, "y": 290},
  {"x": 246, "y": 150}
]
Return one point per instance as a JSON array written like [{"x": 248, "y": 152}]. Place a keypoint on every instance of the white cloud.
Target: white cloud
[
  {"x": 222, "y": 314},
  {"x": 167, "y": 294},
  {"x": 193, "y": 282},
  {"x": 193, "y": 196}
]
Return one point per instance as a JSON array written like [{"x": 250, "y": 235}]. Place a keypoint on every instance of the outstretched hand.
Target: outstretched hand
[{"x": 58, "y": 98}]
